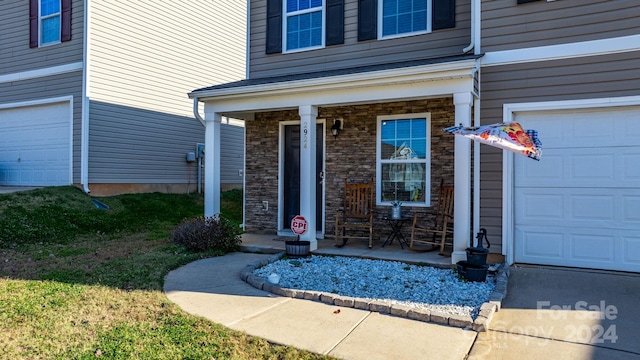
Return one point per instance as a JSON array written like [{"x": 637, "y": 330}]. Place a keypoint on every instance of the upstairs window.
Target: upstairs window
[
  {"x": 49, "y": 22},
  {"x": 403, "y": 17},
  {"x": 304, "y": 24},
  {"x": 384, "y": 19},
  {"x": 403, "y": 159}
]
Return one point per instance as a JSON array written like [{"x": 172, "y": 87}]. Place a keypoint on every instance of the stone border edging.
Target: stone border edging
[{"x": 480, "y": 324}]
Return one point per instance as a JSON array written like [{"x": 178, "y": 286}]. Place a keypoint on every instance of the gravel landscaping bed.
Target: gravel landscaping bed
[{"x": 391, "y": 282}]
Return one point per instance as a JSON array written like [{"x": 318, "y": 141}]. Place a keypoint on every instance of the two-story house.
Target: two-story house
[
  {"x": 391, "y": 74},
  {"x": 92, "y": 93}
]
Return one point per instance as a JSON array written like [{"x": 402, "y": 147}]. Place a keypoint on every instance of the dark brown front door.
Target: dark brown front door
[{"x": 292, "y": 174}]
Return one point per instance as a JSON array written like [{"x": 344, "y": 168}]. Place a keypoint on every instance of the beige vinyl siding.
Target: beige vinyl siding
[
  {"x": 352, "y": 53},
  {"x": 602, "y": 76},
  {"x": 507, "y": 25},
  {"x": 150, "y": 54},
  {"x": 69, "y": 84},
  {"x": 16, "y": 55},
  {"x": 145, "y": 57}
]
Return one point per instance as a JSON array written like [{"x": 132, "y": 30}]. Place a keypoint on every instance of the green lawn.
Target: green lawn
[{"x": 78, "y": 282}]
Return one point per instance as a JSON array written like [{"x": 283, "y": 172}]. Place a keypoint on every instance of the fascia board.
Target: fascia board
[
  {"x": 341, "y": 95},
  {"x": 458, "y": 69}
]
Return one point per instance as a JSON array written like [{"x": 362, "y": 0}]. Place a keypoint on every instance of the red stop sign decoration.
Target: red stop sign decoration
[{"x": 298, "y": 225}]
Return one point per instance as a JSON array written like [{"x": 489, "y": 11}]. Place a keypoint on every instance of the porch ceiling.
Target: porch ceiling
[{"x": 334, "y": 88}]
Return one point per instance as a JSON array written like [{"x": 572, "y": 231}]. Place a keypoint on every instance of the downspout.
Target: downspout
[
  {"x": 248, "y": 43},
  {"x": 474, "y": 15},
  {"x": 196, "y": 112},
  {"x": 84, "y": 137}
]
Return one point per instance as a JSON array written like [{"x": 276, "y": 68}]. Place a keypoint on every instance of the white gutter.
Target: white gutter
[{"x": 84, "y": 137}]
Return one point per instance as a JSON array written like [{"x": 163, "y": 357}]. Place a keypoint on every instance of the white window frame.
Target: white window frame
[
  {"x": 395, "y": 36},
  {"x": 380, "y": 161},
  {"x": 42, "y": 18},
  {"x": 285, "y": 17}
]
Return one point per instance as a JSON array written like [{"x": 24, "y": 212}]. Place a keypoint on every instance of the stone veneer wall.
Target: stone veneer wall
[{"x": 351, "y": 156}]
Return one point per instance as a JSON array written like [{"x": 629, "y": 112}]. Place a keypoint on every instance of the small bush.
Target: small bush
[{"x": 207, "y": 233}]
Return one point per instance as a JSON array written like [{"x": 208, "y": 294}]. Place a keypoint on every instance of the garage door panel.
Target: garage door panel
[
  {"x": 631, "y": 250},
  {"x": 593, "y": 247},
  {"x": 538, "y": 204},
  {"x": 631, "y": 164},
  {"x": 631, "y": 211},
  {"x": 540, "y": 243},
  {"x": 592, "y": 208},
  {"x": 544, "y": 173}
]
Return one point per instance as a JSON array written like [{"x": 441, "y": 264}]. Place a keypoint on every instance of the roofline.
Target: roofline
[{"x": 420, "y": 73}]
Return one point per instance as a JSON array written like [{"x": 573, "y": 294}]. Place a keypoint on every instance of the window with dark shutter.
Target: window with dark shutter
[
  {"x": 64, "y": 25},
  {"x": 367, "y": 20},
  {"x": 335, "y": 22},
  {"x": 274, "y": 26},
  {"x": 444, "y": 14}
]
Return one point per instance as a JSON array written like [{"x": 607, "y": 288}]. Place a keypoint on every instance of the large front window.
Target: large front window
[
  {"x": 304, "y": 24},
  {"x": 50, "y": 19},
  {"x": 403, "y": 159},
  {"x": 403, "y": 17}
]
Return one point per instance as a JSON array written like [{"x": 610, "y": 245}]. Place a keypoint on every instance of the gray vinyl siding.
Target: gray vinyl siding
[
  {"x": 133, "y": 145},
  {"x": 507, "y": 25},
  {"x": 352, "y": 53},
  {"x": 69, "y": 84},
  {"x": 123, "y": 151},
  {"x": 231, "y": 154},
  {"x": 601, "y": 76},
  {"x": 15, "y": 54}
]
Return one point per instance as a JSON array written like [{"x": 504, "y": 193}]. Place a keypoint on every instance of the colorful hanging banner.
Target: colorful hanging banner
[{"x": 509, "y": 136}]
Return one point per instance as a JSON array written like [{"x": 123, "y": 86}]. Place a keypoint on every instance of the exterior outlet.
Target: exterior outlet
[{"x": 265, "y": 205}]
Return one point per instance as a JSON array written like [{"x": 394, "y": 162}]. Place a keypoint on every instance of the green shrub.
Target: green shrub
[{"x": 207, "y": 233}]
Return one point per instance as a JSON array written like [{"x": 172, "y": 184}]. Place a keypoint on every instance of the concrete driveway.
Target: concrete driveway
[{"x": 557, "y": 313}]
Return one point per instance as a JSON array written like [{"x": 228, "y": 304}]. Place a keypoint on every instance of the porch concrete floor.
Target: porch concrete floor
[{"x": 272, "y": 244}]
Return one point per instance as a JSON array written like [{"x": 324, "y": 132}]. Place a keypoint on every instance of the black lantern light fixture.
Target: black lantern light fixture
[{"x": 336, "y": 127}]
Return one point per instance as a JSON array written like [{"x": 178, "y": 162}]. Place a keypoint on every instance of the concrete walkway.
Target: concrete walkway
[
  {"x": 549, "y": 313},
  {"x": 212, "y": 288}
]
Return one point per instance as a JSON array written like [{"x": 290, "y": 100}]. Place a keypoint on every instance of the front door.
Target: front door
[{"x": 291, "y": 175}]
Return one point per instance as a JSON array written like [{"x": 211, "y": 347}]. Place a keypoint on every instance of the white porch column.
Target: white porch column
[
  {"x": 212, "y": 163},
  {"x": 462, "y": 180},
  {"x": 308, "y": 115}
]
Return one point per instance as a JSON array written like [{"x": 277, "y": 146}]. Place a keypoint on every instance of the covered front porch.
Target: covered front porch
[{"x": 292, "y": 115}]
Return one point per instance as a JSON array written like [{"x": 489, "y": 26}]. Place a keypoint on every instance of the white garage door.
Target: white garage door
[
  {"x": 35, "y": 145},
  {"x": 580, "y": 205}
]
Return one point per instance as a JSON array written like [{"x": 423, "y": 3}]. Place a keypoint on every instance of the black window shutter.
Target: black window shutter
[
  {"x": 367, "y": 20},
  {"x": 335, "y": 22},
  {"x": 274, "y": 26},
  {"x": 444, "y": 14},
  {"x": 33, "y": 23},
  {"x": 65, "y": 28}
]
